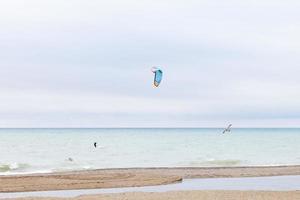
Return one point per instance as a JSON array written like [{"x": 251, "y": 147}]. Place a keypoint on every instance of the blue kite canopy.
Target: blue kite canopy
[{"x": 158, "y": 76}]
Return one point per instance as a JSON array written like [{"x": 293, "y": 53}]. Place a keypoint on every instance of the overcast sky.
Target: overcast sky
[{"x": 76, "y": 63}]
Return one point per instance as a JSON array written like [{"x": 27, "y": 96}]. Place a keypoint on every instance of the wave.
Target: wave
[{"x": 14, "y": 167}]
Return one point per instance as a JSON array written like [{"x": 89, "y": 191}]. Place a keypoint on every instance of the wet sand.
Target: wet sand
[
  {"x": 114, "y": 178},
  {"x": 108, "y": 178},
  {"x": 83, "y": 180},
  {"x": 265, "y": 183}
]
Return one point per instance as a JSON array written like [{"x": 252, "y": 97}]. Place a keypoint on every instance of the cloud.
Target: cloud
[{"x": 90, "y": 62}]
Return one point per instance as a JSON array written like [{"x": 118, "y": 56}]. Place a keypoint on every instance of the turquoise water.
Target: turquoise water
[{"x": 47, "y": 150}]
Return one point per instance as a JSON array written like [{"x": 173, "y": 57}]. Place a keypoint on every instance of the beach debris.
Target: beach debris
[
  {"x": 95, "y": 144},
  {"x": 228, "y": 129},
  {"x": 157, "y": 75}
]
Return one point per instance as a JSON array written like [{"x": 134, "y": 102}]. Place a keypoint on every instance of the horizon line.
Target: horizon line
[{"x": 239, "y": 127}]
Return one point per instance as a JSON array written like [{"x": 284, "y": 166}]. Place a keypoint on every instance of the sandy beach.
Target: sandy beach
[
  {"x": 113, "y": 178},
  {"x": 109, "y": 178}
]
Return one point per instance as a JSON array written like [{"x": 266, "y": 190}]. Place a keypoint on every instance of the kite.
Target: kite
[{"x": 157, "y": 75}]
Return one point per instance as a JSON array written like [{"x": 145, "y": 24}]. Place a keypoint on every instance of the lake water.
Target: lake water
[{"x": 47, "y": 150}]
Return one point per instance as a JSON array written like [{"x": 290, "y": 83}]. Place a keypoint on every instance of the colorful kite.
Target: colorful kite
[{"x": 157, "y": 75}]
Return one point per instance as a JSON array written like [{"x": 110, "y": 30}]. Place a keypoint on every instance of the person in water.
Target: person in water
[{"x": 95, "y": 144}]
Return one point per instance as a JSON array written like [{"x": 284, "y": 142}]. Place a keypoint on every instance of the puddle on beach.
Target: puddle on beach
[{"x": 273, "y": 183}]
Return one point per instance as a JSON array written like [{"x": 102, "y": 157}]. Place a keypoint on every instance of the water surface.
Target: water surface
[{"x": 47, "y": 150}]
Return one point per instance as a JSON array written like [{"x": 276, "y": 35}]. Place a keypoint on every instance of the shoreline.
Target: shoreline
[
  {"x": 277, "y": 167},
  {"x": 131, "y": 177},
  {"x": 180, "y": 195}
]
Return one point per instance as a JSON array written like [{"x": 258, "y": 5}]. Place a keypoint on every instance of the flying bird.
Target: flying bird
[{"x": 228, "y": 129}]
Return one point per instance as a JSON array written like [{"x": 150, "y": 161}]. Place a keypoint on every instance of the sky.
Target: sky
[{"x": 76, "y": 63}]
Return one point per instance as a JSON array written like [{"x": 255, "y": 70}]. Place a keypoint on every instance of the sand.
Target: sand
[
  {"x": 83, "y": 180},
  {"x": 108, "y": 178}
]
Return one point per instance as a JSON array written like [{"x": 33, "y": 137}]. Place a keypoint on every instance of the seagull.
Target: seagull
[{"x": 228, "y": 129}]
